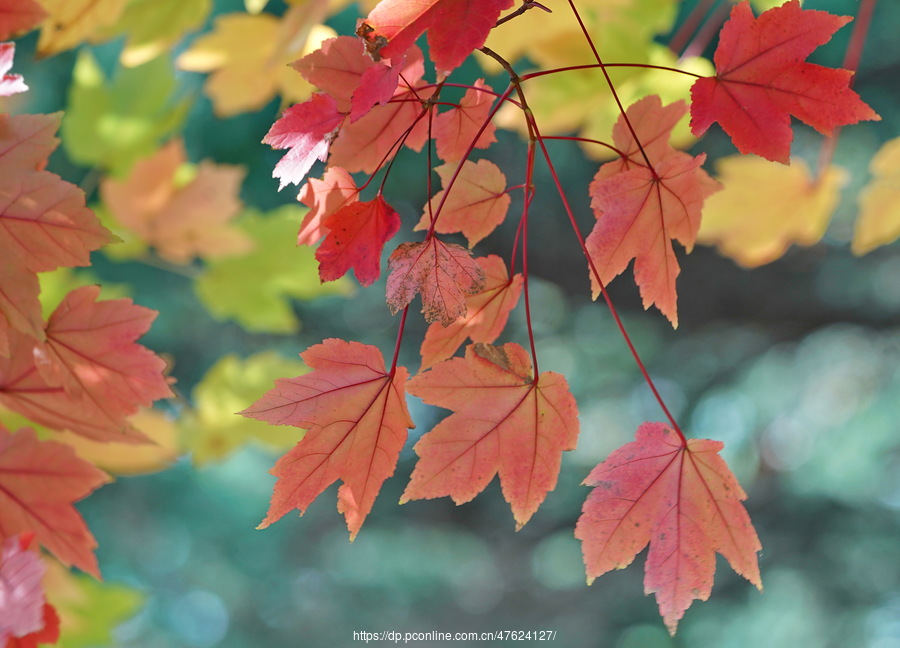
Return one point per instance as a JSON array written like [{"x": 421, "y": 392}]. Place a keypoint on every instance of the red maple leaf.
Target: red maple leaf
[
  {"x": 679, "y": 497},
  {"x": 505, "y": 422},
  {"x": 463, "y": 26},
  {"x": 486, "y": 314},
  {"x": 336, "y": 68},
  {"x": 324, "y": 197},
  {"x": 19, "y": 16},
  {"x": 356, "y": 234},
  {"x": 762, "y": 79},
  {"x": 376, "y": 136},
  {"x": 39, "y": 481},
  {"x": 356, "y": 419},
  {"x": 640, "y": 209},
  {"x": 10, "y": 84},
  {"x": 443, "y": 273},
  {"x": 306, "y": 129}
]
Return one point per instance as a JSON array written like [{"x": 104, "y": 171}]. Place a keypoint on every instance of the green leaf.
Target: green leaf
[
  {"x": 89, "y": 610},
  {"x": 213, "y": 430},
  {"x": 57, "y": 284},
  {"x": 111, "y": 124},
  {"x": 152, "y": 26},
  {"x": 255, "y": 289}
]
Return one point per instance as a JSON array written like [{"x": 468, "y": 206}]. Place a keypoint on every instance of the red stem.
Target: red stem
[
  {"x": 851, "y": 62},
  {"x": 612, "y": 88},
  {"x": 689, "y": 26}
]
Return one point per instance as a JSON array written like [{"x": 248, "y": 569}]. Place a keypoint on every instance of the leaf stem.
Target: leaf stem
[
  {"x": 594, "y": 66},
  {"x": 612, "y": 88},
  {"x": 612, "y": 309},
  {"x": 851, "y": 62}
]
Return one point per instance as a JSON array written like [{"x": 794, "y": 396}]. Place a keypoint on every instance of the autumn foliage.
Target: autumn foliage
[{"x": 361, "y": 100}]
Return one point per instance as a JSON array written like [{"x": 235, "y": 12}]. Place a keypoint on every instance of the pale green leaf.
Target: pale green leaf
[
  {"x": 111, "y": 124},
  {"x": 213, "y": 429},
  {"x": 255, "y": 289}
]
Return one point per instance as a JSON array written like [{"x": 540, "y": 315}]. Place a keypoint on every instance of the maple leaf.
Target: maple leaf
[
  {"x": 455, "y": 130},
  {"x": 90, "y": 375},
  {"x": 356, "y": 419},
  {"x": 336, "y": 68},
  {"x": 211, "y": 431},
  {"x": 682, "y": 499},
  {"x": 394, "y": 25},
  {"x": 486, "y": 314},
  {"x": 324, "y": 197},
  {"x": 112, "y": 123},
  {"x": 477, "y": 204},
  {"x": 92, "y": 352},
  {"x": 249, "y": 57},
  {"x": 10, "y": 84},
  {"x": 158, "y": 452},
  {"x": 20, "y": 307},
  {"x": 366, "y": 143},
  {"x": 26, "y": 141},
  {"x": 255, "y": 289},
  {"x": 762, "y": 79},
  {"x": 44, "y": 223},
  {"x": 19, "y": 16},
  {"x": 89, "y": 610},
  {"x": 356, "y": 236},
  {"x": 180, "y": 219},
  {"x": 154, "y": 26},
  {"x": 39, "y": 481},
  {"x": 639, "y": 209},
  {"x": 443, "y": 273},
  {"x": 71, "y": 22},
  {"x": 878, "y": 222},
  {"x": 504, "y": 422},
  {"x": 751, "y": 228},
  {"x": 307, "y": 129},
  {"x": 21, "y": 593}
]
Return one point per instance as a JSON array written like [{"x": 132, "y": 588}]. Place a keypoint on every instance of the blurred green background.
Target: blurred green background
[{"x": 793, "y": 366}]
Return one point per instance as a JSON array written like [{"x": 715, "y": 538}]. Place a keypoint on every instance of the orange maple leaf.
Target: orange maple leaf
[
  {"x": 443, "y": 273},
  {"x": 356, "y": 419},
  {"x": 476, "y": 205},
  {"x": 455, "y": 130},
  {"x": 44, "y": 223},
  {"x": 682, "y": 499},
  {"x": 90, "y": 375},
  {"x": 181, "y": 221},
  {"x": 39, "y": 481},
  {"x": 486, "y": 314},
  {"x": 505, "y": 422},
  {"x": 640, "y": 208}
]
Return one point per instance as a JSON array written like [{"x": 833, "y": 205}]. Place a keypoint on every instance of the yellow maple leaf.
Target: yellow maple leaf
[
  {"x": 129, "y": 458},
  {"x": 878, "y": 222},
  {"x": 70, "y": 22},
  {"x": 248, "y": 57},
  {"x": 765, "y": 206},
  {"x": 181, "y": 217},
  {"x": 212, "y": 430}
]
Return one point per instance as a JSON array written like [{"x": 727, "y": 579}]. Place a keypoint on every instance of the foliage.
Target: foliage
[{"x": 73, "y": 374}]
